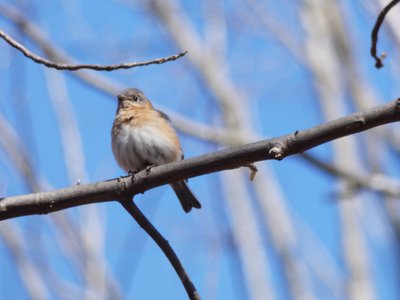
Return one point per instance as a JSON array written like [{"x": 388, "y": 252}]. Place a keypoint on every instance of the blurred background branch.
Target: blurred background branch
[{"x": 255, "y": 69}]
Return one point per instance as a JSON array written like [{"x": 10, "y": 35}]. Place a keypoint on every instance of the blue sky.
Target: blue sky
[{"x": 281, "y": 96}]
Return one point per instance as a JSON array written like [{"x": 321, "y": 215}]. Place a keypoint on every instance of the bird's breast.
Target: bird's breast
[{"x": 136, "y": 147}]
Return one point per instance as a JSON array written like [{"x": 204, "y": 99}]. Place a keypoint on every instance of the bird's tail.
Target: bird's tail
[{"x": 185, "y": 196}]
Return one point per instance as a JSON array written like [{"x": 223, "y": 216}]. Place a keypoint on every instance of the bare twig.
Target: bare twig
[
  {"x": 38, "y": 37},
  {"x": 375, "y": 30},
  {"x": 300, "y": 141},
  {"x": 164, "y": 245},
  {"x": 71, "y": 67}
]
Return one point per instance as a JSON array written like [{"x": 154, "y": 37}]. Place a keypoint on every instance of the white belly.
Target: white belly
[{"x": 136, "y": 148}]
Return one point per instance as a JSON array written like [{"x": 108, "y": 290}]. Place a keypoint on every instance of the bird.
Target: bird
[{"x": 143, "y": 137}]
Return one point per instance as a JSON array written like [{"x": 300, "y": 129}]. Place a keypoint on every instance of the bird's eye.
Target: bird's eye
[{"x": 136, "y": 98}]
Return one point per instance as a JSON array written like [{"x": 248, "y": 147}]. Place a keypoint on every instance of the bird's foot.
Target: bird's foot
[
  {"x": 132, "y": 174},
  {"x": 148, "y": 168}
]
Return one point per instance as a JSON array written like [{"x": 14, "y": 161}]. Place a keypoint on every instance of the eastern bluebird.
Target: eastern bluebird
[{"x": 143, "y": 137}]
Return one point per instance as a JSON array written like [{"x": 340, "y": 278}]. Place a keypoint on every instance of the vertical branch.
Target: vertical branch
[
  {"x": 320, "y": 46},
  {"x": 284, "y": 237},
  {"x": 67, "y": 125},
  {"x": 32, "y": 280},
  {"x": 248, "y": 242}
]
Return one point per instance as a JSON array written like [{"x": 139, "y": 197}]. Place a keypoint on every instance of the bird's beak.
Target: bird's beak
[{"x": 120, "y": 97}]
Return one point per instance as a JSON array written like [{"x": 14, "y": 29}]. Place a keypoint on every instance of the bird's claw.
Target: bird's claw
[
  {"x": 132, "y": 174},
  {"x": 148, "y": 168}
]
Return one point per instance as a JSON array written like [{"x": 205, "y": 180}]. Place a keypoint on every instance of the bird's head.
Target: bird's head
[{"x": 133, "y": 99}]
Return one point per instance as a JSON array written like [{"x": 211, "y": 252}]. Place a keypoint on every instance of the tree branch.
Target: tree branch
[
  {"x": 71, "y": 67},
  {"x": 164, "y": 245},
  {"x": 375, "y": 30},
  {"x": 234, "y": 157}
]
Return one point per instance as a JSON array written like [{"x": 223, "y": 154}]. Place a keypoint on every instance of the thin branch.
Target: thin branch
[
  {"x": 234, "y": 157},
  {"x": 70, "y": 67},
  {"x": 38, "y": 37},
  {"x": 164, "y": 245},
  {"x": 375, "y": 30}
]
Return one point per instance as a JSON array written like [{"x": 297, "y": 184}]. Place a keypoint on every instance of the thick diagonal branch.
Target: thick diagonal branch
[{"x": 234, "y": 157}]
